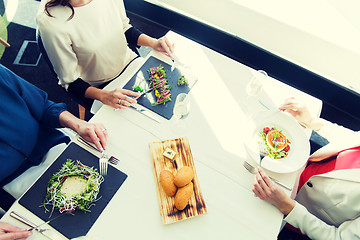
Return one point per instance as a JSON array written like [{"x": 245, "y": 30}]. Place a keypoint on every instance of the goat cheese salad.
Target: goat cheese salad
[
  {"x": 74, "y": 186},
  {"x": 274, "y": 143}
]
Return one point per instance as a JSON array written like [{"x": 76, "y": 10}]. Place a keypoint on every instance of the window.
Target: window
[{"x": 322, "y": 36}]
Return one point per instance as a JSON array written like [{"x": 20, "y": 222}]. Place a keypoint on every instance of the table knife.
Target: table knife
[
  {"x": 146, "y": 113},
  {"x": 112, "y": 159},
  {"x": 267, "y": 105},
  {"x": 151, "y": 89},
  {"x": 37, "y": 228},
  {"x": 47, "y": 233}
]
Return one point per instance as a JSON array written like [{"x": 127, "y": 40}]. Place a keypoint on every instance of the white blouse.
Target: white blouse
[{"x": 91, "y": 46}]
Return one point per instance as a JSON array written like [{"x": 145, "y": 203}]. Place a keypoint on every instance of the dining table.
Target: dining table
[{"x": 222, "y": 113}]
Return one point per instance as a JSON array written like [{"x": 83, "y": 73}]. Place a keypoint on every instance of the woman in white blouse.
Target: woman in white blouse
[{"x": 87, "y": 44}]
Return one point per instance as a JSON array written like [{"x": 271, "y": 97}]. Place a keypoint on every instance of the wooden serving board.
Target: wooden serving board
[{"x": 169, "y": 214}]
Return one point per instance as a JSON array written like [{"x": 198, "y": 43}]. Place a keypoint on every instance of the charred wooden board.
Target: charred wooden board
[{"x": 183, "y": 157}]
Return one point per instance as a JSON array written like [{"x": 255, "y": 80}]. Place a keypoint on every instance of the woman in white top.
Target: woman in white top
[{"x": 87, "y": 44}]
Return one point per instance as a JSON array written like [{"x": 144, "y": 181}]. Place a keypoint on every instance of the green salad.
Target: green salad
[
  {"x": 182, "y": 81},
  {"x": 80, "y": 180},
  {"x": 273, "y": 151}
]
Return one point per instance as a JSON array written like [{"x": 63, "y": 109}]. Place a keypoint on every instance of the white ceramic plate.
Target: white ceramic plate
[{"x": 299, "y": 147}]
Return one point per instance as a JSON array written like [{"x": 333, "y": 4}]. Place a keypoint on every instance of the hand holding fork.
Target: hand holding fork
[
  {"x": 103, "y": 160},
  {"x": 251, "y": 169}
]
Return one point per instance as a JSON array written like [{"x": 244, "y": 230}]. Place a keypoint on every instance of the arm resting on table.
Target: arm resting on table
[{"x": 315, "y": 228}]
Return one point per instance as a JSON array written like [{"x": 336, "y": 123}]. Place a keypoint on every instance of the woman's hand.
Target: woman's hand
[
  {"x": 164, "y": 46},
  {"x": 119, "y": 98},
  {"x": 268, "y": 191},
  {"x": 10, "y": 232},
  {"x": 93, "y": 132},
  {"x": 301, "y": 113}
]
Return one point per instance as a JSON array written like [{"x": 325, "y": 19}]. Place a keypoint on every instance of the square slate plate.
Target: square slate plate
[
  {"x": 72, "y": 226},
  {"x": 147, "y": 100}
]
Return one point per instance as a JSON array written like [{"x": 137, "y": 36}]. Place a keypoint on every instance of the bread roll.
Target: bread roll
[
  {"x": 183, "y": 195},
  {"x": 184, "y": 176},
  {"x": 167, "y": 182}
]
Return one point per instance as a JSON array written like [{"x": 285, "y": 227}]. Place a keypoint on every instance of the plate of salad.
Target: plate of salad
[
  {"x": 74, "y": 186},
  {"x": 159, "y": 85},
  {"x": 281, "y": 138}
]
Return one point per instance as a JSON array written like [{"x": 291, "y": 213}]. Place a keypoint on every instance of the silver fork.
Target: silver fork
[
  {"x": 112, "y": 159},
  {"x": 262, "y": 155},
  {"x": 103, "y": 163},
  {"x": 251, "y": 169}
]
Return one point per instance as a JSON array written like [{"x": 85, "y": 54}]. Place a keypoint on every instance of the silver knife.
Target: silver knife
[
  {"x": 266, "y": 105},
  {"x": 46, "y": 232},
  {"x": 42, "y": 230},
  {"x": 111, "y": 159},
  {"x": 146, "y": 113},
  {"x": 151, "y": 89}
]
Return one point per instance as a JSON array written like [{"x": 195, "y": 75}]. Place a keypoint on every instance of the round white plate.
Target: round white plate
[{"x": 299, "y": 147}]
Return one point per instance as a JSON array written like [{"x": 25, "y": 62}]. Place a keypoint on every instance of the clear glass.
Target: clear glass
[
  {"x": 182, "y": 106},
  {"x": 181, "y": 111},
  {"x": 254, "y": 87}
]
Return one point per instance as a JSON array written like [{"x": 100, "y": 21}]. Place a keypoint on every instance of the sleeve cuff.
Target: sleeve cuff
[
  {"x": 132, "y": 35},
  {"x": 78, "y": 87},
  {"x": 295, "y": 212},
  {"x": 51, "y": 116}
]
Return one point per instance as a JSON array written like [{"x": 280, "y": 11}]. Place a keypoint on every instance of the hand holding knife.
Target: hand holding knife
[
  {"x": 145, "y": 92},
  {"x": 42, "y": 230},
  {"x": 46, "y": 232}
]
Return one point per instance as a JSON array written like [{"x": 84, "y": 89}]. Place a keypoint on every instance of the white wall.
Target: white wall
[{"x": 322, "y": 36}]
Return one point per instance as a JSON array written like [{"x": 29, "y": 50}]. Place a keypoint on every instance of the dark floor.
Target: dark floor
[{"x": 42, "y": 77}]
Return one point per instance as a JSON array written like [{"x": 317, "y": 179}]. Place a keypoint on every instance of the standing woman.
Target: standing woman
[{"x": 87, "y": 44}]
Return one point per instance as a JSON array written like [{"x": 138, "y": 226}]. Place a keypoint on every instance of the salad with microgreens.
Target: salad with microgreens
[
  {"x": 83, "y": 198},
  {"x": 182, "y": 81},
  {"x": 158, "y": 81},
  {"x": 274, "y": 143},
  {"x": 138, "y": 89}
]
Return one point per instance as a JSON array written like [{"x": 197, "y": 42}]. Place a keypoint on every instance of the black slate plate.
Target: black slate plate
[
  {"x": 72, "y": 226},
  {"x": 141, "y": 78}
]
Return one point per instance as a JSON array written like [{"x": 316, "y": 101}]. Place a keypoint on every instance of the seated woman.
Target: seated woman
[
  {"x": 87, "y": 44},
  {"x": 28, "y": 130},
  {"x": 327, "y": 205}
]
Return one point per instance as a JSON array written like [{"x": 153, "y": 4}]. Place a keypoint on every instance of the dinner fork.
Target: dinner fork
[
  {"x": 262, "y": 155},
  {"x": 176, "y": 62},
  {"x": 103, "y": 163},
  {"x": 251, "y": 169},
  {"x": 113, "y": 160}
]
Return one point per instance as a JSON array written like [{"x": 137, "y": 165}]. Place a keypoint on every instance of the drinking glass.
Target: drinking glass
[
  {"x": 181, "y": 111},
  {"x": 255, "y": 86}
]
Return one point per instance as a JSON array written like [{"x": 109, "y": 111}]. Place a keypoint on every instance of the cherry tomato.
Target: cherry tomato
[
  {"x": 287, "y": 148},
  {"x": 266, "y": 130}
]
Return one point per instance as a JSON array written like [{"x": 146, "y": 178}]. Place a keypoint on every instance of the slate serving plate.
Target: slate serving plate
[
  {"x": 141, "y": 78},
  {"x": 72, "y": 226}
]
